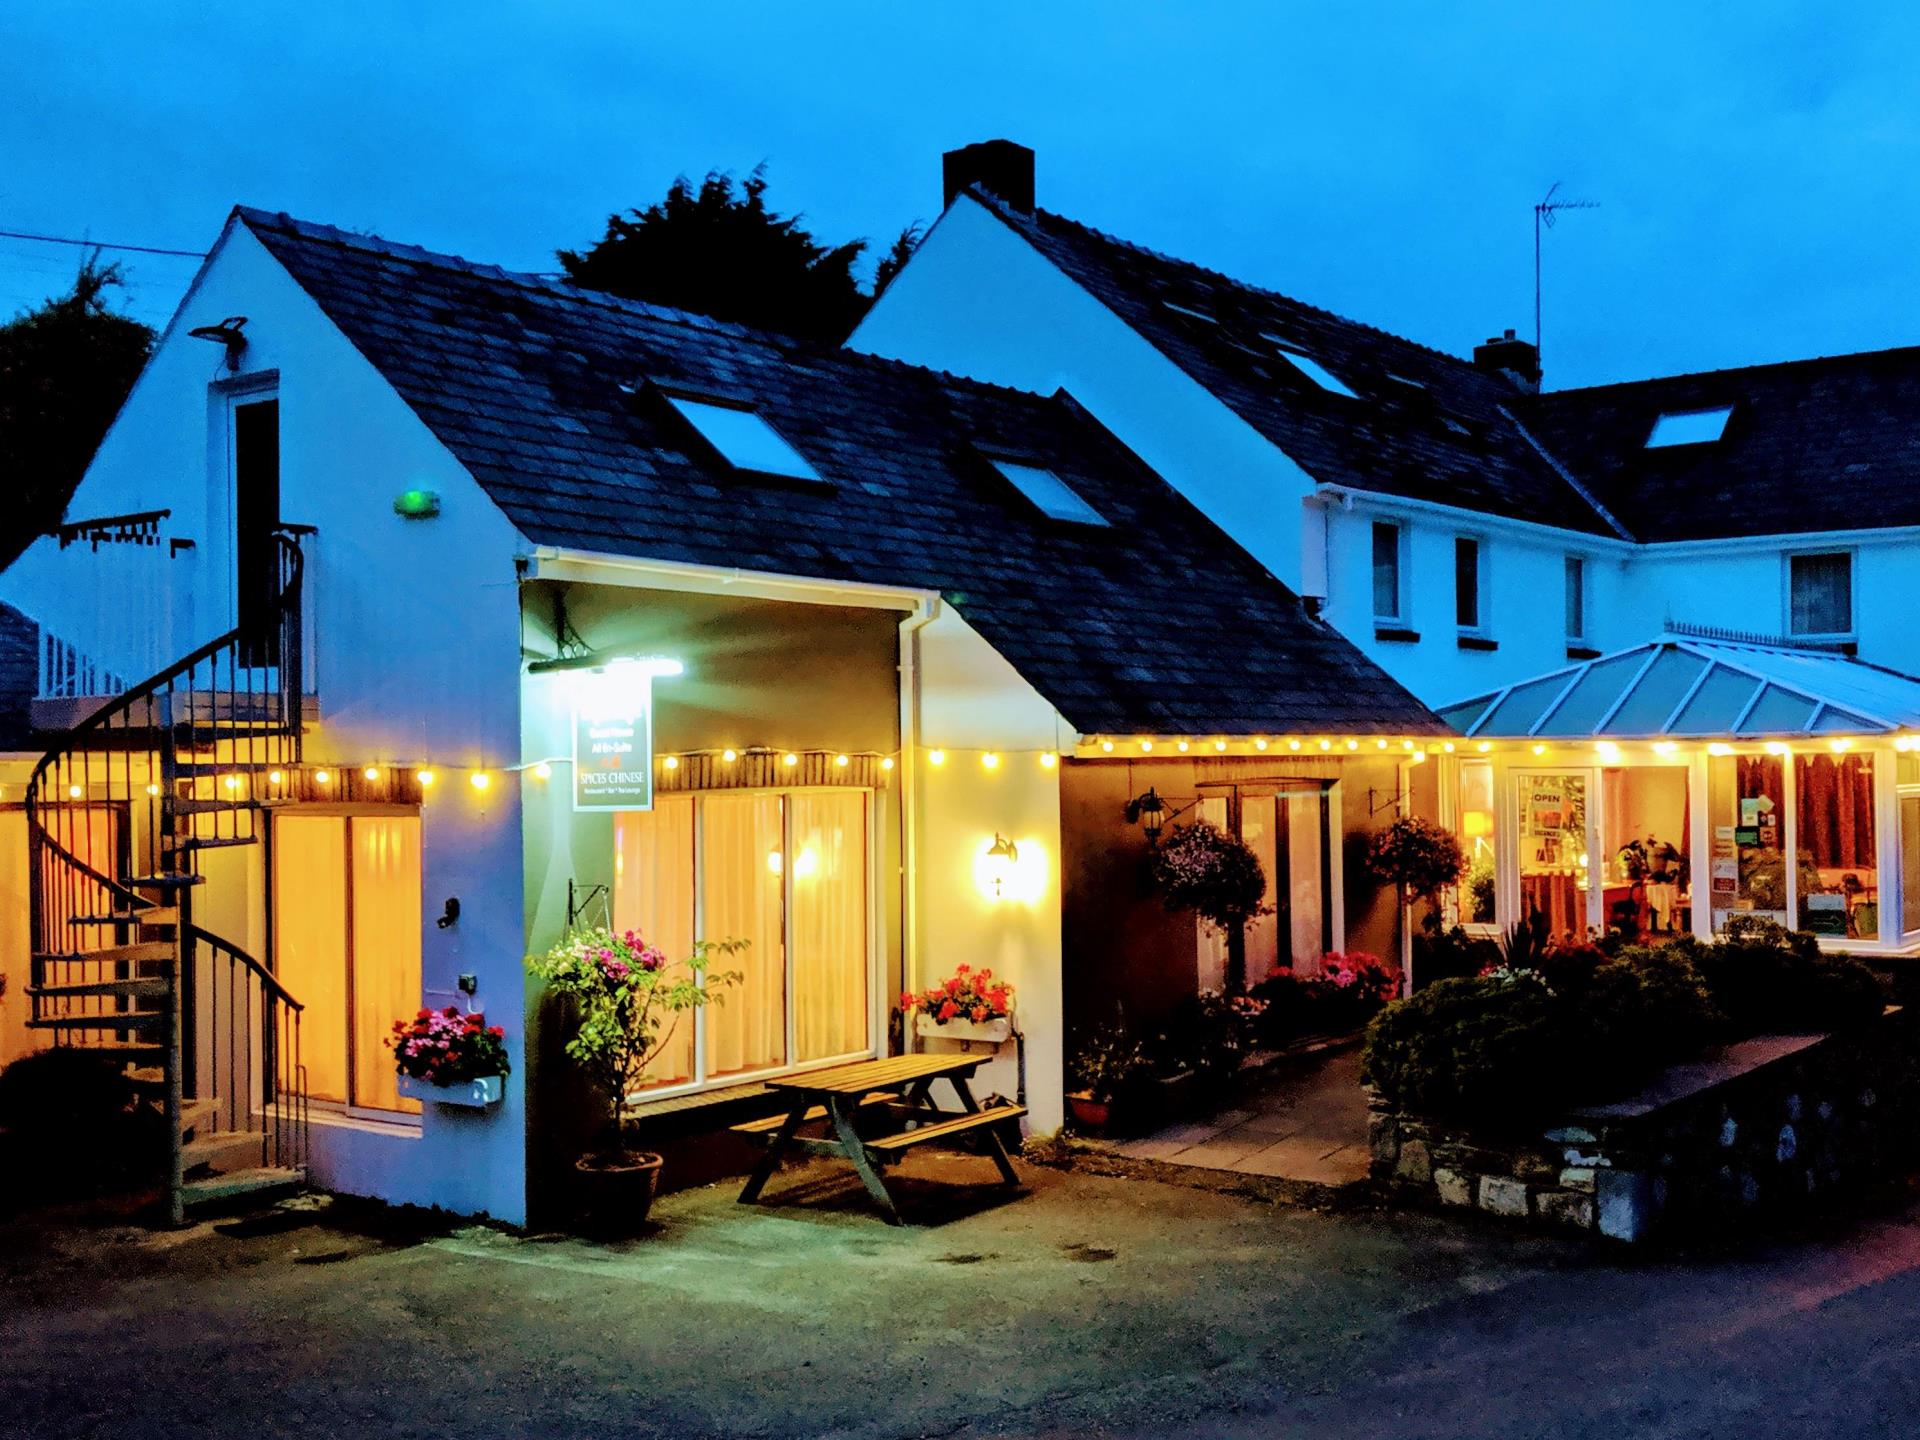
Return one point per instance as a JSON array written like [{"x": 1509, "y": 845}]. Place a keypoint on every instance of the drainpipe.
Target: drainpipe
[{"x": 910, "y": 628}]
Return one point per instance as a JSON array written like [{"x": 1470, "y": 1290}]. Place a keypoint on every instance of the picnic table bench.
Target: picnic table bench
[{"x": 876, "y": 1111}]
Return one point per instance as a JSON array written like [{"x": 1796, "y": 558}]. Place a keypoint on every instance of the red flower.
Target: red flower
[{"x": 948, "y": 1010}]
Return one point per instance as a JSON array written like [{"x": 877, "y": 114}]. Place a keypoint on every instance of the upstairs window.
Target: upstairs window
[
  {"x": 1576, "y": 599},
  {"x": 744, "y": 440},
  {"x": 1689, "y": 427},
  {"x": 1468, "y": 608},
  {"x": 1051, "y": 495},
  {"x": 1387, "y": 590},
  {"x": 1312, "y": 369},
  {"x": 1820, "y": 594}
]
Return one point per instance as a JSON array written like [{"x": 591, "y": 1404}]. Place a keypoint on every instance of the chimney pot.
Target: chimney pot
[
  {"x": 1003, "y": 168},
  {"x": 1514, "y": 359}
]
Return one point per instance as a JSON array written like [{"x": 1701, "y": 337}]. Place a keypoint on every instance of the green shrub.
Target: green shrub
[
  {"x": 1491, "y": 1049},
  {"x": 1209, "y": 1034},
  {"x": 1450, "y": 954},
  {"x": 75, "y": 1126},
  {"x": 1766, "y": 979}
]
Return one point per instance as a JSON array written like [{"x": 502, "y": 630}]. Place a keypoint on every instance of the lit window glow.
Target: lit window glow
[
  {"x": 1689, "y": 427},
  {"x": 744, "y": 440}
]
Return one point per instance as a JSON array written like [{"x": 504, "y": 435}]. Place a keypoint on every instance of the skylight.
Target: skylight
[
  {"x": 744, "y": 440},
  {"x": 1312, "y": 369},
  {"x": 1054, "y": 498},
  {"x": 1689, "y": 427}
]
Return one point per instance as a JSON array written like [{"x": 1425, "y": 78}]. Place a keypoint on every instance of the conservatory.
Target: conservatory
[{"x": 1669, "y": 788}]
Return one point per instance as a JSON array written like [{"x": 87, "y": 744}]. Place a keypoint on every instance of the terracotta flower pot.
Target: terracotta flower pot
[
  {"x": 615, "y": 1192},
  {"x": 1089, "y": 1114}
]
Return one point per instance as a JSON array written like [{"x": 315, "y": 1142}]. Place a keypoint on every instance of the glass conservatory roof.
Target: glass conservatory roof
[{"x": 1686, "y": 687}]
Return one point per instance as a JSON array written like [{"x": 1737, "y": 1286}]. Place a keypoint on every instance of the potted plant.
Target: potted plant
[
  {"x": 450, "y": 1058},
  {"x": 1105, "y": 1067},
  {"x": 629, "y": 998},
  {"x": 968, "y": 1005}
]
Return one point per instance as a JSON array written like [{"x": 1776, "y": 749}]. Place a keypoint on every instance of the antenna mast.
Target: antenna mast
[{"x": 1543, "y": 215}]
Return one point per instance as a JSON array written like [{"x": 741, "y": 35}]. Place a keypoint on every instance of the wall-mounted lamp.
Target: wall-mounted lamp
[
  {"x": 1000, "y": 860},
  {"x": 229, "y": 332},
  {"x": 1149, "y": 812}
]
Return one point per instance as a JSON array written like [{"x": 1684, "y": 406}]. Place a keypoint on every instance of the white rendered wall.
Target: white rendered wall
[
  {"x": 417, "y": 653},
  {"x": 978, "y": 300},
  {"x": 971, "y": 704}
]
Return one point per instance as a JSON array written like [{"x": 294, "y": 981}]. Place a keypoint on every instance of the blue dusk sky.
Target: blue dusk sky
[{"x": 1755, "y": 162}]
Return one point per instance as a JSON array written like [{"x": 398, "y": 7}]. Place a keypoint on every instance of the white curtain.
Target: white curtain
[
  {"x": 743, "y": 873},
  {"x": 828, "y": 923},
  {"x": 653, "y": 896},
  {"x": 310, "y": 942},
  {"x": 1259, "y": 815},
  {"x": 1306, "y": 844},
  {"x": 386, "y": 950}
]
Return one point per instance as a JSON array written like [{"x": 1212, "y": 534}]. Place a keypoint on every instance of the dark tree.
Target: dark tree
[
  {"x": 895, "y": 260},
  {"x": 65, "y": 368},
  {"x": 720, "y": 251}
]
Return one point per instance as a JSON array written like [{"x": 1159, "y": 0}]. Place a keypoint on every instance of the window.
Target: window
[
  {"x": 1820, "y": 594},
  {"x": 1467, "y": 607},
  {"x": 744, "y": 440},
  {"x": 1051, "y": 495},
  {"x": 1837, "y": 871},
  {"x": 1556, "y": 874},
  {"x": 1689, "y": 427},
  {"x": 1311, "y": 368},
  {"x": 347, "y": 945},
  {"x": 1477, "y": 824},
  {"x": 256, "y": 516},
  {"x": 1387, "y": 591},
  {"x": 1576, "y": 598},
  {"x": 786, "y": 871},
  {"x": 1907, "y": 778},
  {"x": 1746, "y": 820}
]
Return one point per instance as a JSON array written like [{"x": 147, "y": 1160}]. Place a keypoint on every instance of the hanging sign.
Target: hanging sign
[{"x": 613, "y": 740}]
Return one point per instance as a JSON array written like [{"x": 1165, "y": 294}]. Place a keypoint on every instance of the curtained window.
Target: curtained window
[
  {"x": 347, "y": 945},
  {"x": 788, "y": 873},
  {"x": 1820, "y": 599},
  {"x": 1837, "y": 864}
]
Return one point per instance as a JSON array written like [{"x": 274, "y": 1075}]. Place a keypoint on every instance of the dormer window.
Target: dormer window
[
  {"x": 1312, "y": 369},
  {"x": 1047, "y": 492},
  {"x": 1689, "y": 427},
  {"x": 744, "y": 440}
]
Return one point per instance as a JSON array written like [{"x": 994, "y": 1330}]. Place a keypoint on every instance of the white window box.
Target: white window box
[
  {"x": 474, "y": 1094},
  {"x": 988, "y": 1032}
]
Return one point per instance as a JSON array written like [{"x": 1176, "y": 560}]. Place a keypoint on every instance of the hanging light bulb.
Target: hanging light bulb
[
  {"x": 277, "y": 777},
  {"x": 480, "y": 779},
  {"x": 1484, "y": 746},
  {"x": 372, "y": 772},
  {"x": 1293, "y": 744},
  {"x": 886, "y": 762},
  {"x": 1219, "y": 744},
  {"x": 425, "y": 777},
  {"x": 543, "y": 771},
  {"x": 321, "y": 777},
  {"x": 152, "y": 789},
  {"x": 74, "y": 792},
  {"x": 1146, "y": 745},
  {"x": 790, "y": 759},
  {"x": 1261, "y": 743},
  {"x": 1048, "y": 759},
  {"x": 672, "y": 762},
  {"x": 840, "y": 762},
  {"x": 729, "y": 755},
  {"x": 1107, "y": 745},
  {"x": 1182, "y": 747},
  {"x": 990, "y": 761}
]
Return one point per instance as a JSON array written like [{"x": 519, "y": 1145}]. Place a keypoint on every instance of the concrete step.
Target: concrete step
[
  {"x": 258, "y": 1182},
  {"x": 223, "y": 1151}
]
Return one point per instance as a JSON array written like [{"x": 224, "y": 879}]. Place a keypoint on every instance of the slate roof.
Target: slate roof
[
  {"x": 548, "y": 396},
  {"x": 1821, "y": 444},
  {"x": 19, "y": 678},
  {"x": 1426, "y": 424}
]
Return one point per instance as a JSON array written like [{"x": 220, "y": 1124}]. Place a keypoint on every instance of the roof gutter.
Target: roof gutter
[
  {"x": 593, "y": 567},
  {"x": 1349, "y": 497}
]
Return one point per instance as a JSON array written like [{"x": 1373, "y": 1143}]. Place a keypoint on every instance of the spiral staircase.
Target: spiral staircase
[{"x": 124, "y": 818}]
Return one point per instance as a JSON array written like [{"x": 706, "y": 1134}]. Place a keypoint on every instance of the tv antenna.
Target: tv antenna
[{"x": 1543, "y": 216}]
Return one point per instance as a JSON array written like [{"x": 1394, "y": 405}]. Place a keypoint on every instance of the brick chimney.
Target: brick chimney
[
  {"x": 1000, "y": 167},
  {"x": 1517, "y": 360}
]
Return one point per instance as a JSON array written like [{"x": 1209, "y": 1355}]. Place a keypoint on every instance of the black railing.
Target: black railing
[{"x": 118, "y": 816}]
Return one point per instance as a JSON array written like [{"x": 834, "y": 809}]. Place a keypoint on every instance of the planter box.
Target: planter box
[
  {"x": 983, "y": 1032},
  {"x": 473, "y": 1095}
]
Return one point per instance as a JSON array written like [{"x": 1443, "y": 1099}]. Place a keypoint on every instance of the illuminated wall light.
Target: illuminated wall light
[
  {"x": 1664, "y": 747},
  {"x": 840, "y": 762},
  {"x": 1293, "y": 744},
  {"x": 153, "y": 789},
  {"x": 1539, "y": 749},
  {"x": 672, "y": 762},
  {"x": 1716, "y": 748},
  {"x": 1107, "y": 745},
  {"x": 887, "y": 763},
  {"x": 1261, "y": 743},
  {"x": 233, "y": 782},
  {"x": 1838, "y": 746},
  {"x": 1607, "y": 750},
  {"x": 1219, "y": 744},
  {"x": 1447, "y": 746},
  {"x": 321, "y": 777},
  {"x": 74, "y": 792},
  {"x": 1353, "y": 744},
  {"x": 1147, "y": 746},
  {"x": 1380, "y": 744},
  {"x": 934, "y": 757},
  {"x": 1484, "y": 746},
  {"x": 989, "y": 761},
  {"x": 278, "y": 777},
  {"x": 729, "y": 756},
  {"x": 1182, "y": 747},
  {"x": 480, "y": 779},
  {"x": 372, "y": 772},
  {"x": 543, "y": 771},
  {"x": 1048, "y": 759},
  {"x": 1774, "y": 747},
  {"x": 425, "y": 777},
  {"x": 790, "y": 759},
  {"x": 1326, "y": 744}
]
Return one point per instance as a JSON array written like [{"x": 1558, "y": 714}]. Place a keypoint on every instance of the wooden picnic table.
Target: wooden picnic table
[{"x": 854, "y": 1099}]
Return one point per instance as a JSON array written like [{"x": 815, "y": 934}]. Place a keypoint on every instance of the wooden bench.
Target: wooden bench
[
  {"x": 891, "y": 1145},
  {"x": 770, "y": 1126}
]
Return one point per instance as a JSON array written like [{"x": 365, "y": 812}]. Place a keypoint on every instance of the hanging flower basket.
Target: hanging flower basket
[
  {"x": 1200, "y": 867},
  {"x": 1417, "y": 857}
]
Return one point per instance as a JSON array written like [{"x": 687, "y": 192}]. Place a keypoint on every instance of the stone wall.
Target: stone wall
[{"x": 1770, "y": 1127}]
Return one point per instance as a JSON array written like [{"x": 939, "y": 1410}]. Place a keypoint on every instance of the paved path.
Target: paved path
[
  {"x": 1309, "y": 1124},
  {"x": 1089, "y": 1306}
]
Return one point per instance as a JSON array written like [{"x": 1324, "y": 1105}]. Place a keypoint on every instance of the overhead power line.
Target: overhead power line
[{"x": 102, "y": 244}]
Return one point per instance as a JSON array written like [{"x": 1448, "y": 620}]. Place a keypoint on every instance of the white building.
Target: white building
[{"x": 374, "y": 517}]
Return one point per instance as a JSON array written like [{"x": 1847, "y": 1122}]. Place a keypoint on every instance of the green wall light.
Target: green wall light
[{"x": 417, "y": 504}]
